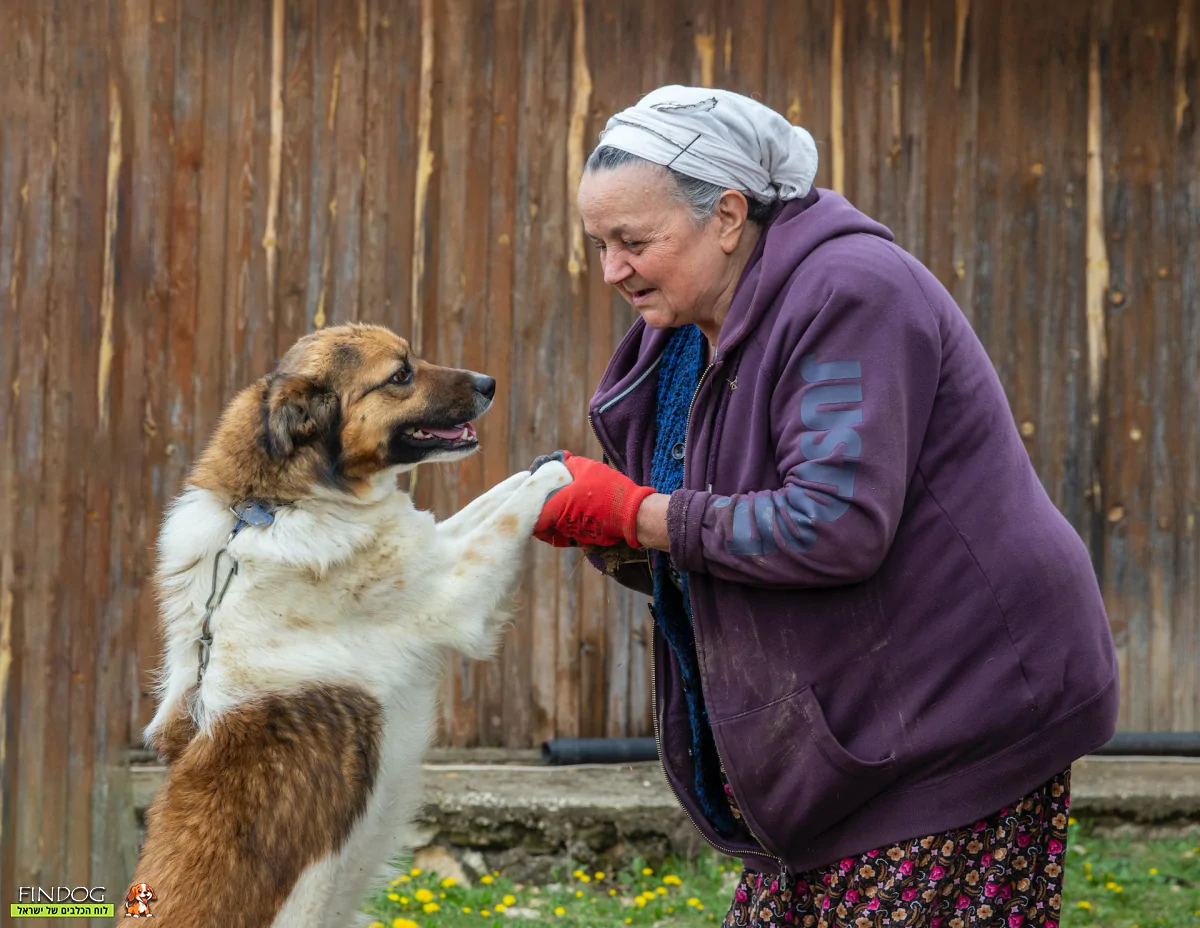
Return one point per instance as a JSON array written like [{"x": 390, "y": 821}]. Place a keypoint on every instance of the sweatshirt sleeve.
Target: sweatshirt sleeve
[{"x": 849, "y": 411}]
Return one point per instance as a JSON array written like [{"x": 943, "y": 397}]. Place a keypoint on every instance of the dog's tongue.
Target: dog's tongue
[{"x": 448, "y": 434}]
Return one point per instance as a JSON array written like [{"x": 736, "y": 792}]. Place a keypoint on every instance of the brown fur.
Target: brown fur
[
  {"x": 278, "y": 786},
  {"x": 324, "y": 416}
]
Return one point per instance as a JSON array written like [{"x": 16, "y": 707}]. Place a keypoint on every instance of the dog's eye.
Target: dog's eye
[{"x": 402, "y": 377}]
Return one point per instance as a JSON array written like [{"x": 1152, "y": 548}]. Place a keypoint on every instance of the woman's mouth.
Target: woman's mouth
[{"x": 638, "y": 297}]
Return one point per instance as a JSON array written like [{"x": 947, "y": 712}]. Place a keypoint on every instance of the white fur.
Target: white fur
[{"x": 369, "y": 592}]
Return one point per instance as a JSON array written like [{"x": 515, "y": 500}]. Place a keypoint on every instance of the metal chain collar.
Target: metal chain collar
[{"x": 251, "y": 512}]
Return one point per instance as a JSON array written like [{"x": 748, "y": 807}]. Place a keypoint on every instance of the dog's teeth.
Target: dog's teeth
[
  {"x": 465, "y": 434},
  {"x": 420, "y": 433}
]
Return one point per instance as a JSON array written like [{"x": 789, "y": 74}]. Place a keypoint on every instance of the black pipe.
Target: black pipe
[
  {"x": 563, "y": 751},
  {"x": 1153, "y": 743}
]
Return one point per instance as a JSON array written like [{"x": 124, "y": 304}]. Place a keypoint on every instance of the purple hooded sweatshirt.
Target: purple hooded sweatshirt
[{"x": 897, "y": 631}]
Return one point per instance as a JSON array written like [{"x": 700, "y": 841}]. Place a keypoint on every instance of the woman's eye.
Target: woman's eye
[
  {"x": 599, "y": 246},
  {"x": 402, "y": 377},
  {"x": 633, "y": 245}
]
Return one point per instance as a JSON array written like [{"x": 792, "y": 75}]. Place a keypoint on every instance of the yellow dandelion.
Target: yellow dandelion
[
  {"x": 670, "y": 910},
  {"x": 661, "y": 891},
  {"x": 694, "y": 902},
  {"x": 599, "y": 875},
  {"x": 560, "y": 911},
  {"x": 395, "y": 897},
  {"x": 646, "y": 871},
  {"x": 1083, "y": 905},
  {"x": 641, "y": 903},
  {"x": 449, "y": 882},
  {"x": 415, "y": 871},
  {"x": 612, "y": 892},
  {"x": 396, "y": 882},
  {"x": 1154, "y": 871},
  {"x": 672, "y": 880},
  {"x": 510, "y": 900},
  {"x": 485, "y": 913},
  {"x": 404, "y": 878},
  {"x": 404, "y": 923},
  {"x": 404, "y": 900},
  {"x": 430, "y": 907},
  {"x": 579, "y": 894},
  {"x": 578, "y": 874},
  {"x": 1071, "y": 821},
  {"x": 466, "y": 910},
  {"x": 500, "y": 907},
  {"x": 424, "y": 895},
  {"x": 629, "y": 921},
  {"x": 486, "y": 879}
]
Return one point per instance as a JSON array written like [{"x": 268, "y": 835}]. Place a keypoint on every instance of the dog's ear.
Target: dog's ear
[
  {"x": 153, "y": 895},
  {"x": 131, "y": 896},
  {"x": 297, "y": 410}
]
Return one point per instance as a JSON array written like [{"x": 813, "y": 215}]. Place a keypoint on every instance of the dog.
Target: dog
[
  {"x": 137, "y": 901},
  {"x": 294, "y": 720}
]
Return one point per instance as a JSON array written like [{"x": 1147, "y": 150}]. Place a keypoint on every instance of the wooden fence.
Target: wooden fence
[{"x": 188, "y": 185}]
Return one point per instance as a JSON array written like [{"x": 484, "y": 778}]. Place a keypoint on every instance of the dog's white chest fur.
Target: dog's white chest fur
[{"x": 367, "y": 593}]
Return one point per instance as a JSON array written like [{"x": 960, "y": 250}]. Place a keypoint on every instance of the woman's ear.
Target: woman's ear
[{"x": 731, "y": 214}]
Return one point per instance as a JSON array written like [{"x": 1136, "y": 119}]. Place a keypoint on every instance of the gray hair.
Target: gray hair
[{"x": 699, "y": 196}]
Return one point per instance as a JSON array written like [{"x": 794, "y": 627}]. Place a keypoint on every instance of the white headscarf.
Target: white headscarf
[{"x": 718, "y": 136}]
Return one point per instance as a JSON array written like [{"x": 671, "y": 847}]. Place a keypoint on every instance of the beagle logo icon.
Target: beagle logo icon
[{"x": 137, "y": 902}]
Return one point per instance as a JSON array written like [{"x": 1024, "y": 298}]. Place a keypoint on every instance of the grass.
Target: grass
[{"x": 1109, "y": 884}]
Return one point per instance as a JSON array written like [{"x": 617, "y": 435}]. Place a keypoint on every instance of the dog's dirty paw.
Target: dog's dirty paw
[{"x": 550, "y": 476}]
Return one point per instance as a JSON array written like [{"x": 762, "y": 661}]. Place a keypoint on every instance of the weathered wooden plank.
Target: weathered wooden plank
[
  {"x": 249, "y": 315},
  {"x": 156, "y": 189},
  {"x": 12, "y": 159},
  {"x": 209, "y": 389},
  {"x": 296, "y": 173},
  {"x": 86, "y": 824},
  {"x": 500, "y": 723},
  {"x": 184, "y": 248},
  {"x": 556, "y": 629},
  {"x": 54, "y": 546},
  {"x": 349, "y": 159},
  {"x": 1184, "y": 277},
  {"x": 458, "y": 31},
  {"x": 31, "y": 270}
]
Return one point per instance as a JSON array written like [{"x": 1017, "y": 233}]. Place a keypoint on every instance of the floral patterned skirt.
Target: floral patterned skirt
[{"x": 1005, "y": 871}]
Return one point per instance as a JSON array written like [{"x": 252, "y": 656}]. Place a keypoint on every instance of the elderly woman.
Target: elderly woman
[{"x": 878, "y": 645}]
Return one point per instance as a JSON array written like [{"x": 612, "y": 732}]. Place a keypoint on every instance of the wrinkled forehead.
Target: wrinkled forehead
[
  {"x": 631, "y": 196},
  {"x": 344, "y": 356}
]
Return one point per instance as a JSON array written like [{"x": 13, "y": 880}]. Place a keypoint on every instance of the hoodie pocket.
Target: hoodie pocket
[{"x": 791, "y": 777}]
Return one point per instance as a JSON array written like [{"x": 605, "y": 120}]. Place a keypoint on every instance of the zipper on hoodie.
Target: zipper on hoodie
[
  {"x": 692, "y": 607},
  {"x": 728, "y": 851}
]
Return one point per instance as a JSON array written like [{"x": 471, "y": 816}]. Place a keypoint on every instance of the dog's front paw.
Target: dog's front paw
[{"x": 550, "y": 476}]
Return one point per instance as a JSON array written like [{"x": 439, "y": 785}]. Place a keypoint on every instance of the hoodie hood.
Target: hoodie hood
[{"x": 800, "y": 228}]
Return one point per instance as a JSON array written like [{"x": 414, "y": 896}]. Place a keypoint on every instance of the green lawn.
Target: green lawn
[{"x": 1112, "y": 884}]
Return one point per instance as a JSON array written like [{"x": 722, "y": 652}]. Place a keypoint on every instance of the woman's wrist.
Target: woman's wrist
[{"x": 652, "y": 522}]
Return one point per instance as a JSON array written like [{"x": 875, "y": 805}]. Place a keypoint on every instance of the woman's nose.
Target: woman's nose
[{"x": 616, "y": 269}]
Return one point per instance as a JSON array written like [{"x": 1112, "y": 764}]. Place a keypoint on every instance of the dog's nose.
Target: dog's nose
[{"x": 485, "y": 385}]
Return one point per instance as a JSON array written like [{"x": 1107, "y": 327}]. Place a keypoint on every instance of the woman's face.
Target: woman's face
[{"x": 671, "y": 269}]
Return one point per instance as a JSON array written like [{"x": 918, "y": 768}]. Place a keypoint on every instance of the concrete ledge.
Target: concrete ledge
[{"x": 525, "y": 819}]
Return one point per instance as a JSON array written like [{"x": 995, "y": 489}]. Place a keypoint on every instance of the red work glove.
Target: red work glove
[{"x": 599, "y": 507}]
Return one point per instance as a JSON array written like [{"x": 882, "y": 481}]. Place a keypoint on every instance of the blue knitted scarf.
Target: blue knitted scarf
[{"x": 678, "y": 377}]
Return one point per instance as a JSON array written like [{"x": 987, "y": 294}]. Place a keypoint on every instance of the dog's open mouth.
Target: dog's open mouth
[{"x": 457, "y": 436}]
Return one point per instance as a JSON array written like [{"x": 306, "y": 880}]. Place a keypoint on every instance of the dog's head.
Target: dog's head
[
  {"x": 344, "y": 404},
  {"x": 140, "y": 892}
]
